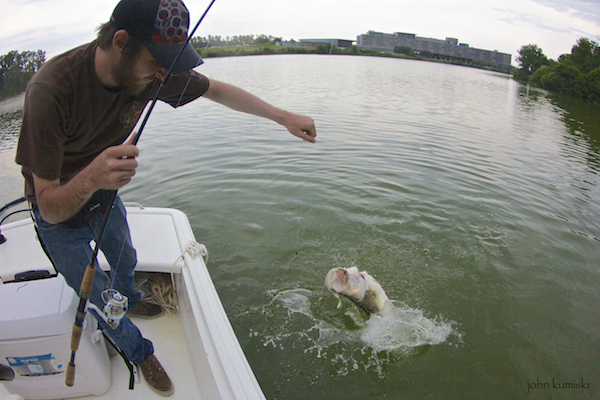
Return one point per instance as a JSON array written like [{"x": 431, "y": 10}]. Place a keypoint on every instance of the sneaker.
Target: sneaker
[
  {"x": 144, "y": 309},
  {"x": 156, "y": 376}
]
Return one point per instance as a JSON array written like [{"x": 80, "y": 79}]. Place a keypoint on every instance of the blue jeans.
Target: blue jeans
[{"x": 70, "y": 252}]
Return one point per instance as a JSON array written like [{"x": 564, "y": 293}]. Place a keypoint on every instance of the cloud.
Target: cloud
[
  {"x": 588, "y": 10},
  {"x": 551, "y": 24},
  {"x": 505, "y": 25},
  {"x": 516, "y": 18}
]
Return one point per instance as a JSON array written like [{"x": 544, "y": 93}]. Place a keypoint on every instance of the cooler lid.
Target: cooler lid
[
  {"x": 44, "y": 307},
  {"x": 22, "y": 251}
]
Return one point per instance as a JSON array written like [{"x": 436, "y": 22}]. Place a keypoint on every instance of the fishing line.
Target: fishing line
[
  {"x": 336, "y": 26},
  {"x": 183, "y": 91},
  {"x": 304, "y": 183},
  {"x": 300, "y": 216},
  {"x": 217, "y": 28}
]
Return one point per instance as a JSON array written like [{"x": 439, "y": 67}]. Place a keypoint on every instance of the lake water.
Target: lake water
[{"x": 472, "y": 199}]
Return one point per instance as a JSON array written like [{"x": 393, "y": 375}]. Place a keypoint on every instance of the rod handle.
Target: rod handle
[
  {"x": 88, "y": 280},
  {"x": 76, "y": 337},
  {"x": 86, "y": 289},
  {"x": 70, "y": 377}
]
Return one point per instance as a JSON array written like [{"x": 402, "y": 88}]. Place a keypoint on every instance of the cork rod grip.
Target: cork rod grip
[
  {"x": 70, "y": 378},
  {"x": 88, "y": 280},
  {"x": 75, "y": 337},
  {"x": 86, "y": 290}
]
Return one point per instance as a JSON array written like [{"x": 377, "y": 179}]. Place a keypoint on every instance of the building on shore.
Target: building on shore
[
  {"x": 341, "y": 43},
  {"x": 449, "y": 49}
]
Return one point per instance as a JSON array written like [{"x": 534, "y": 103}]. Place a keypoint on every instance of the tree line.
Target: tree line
[
  {"x": 16, "y": 69},
  {"x": 240, "y": 40},
  {"x": 576, "y": 74}
]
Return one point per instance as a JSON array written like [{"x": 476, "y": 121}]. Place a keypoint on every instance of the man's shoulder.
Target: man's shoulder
[
  {"x": 65, "y": 67},
  {"x": 183, "y": 88}
]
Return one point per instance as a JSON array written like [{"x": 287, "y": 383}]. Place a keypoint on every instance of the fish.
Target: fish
[{"x": 360, "y": 287}]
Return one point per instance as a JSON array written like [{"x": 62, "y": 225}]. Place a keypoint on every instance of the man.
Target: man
[{"x": 79, "y": 110}]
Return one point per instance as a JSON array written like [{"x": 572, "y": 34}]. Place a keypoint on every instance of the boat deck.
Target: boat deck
[
  {"x": 166, "y": 333},
  {"x": 197, "y": 347}
]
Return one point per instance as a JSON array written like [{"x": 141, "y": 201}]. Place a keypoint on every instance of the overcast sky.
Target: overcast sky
[{"x": 504, "y": 25}]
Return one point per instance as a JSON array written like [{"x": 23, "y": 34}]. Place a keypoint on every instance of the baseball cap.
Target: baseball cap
[{"x": 162, "y": 26}]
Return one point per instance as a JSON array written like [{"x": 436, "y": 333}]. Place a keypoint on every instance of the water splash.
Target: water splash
[
  {"x": 398, "y": 328},
  {"x": 352, "y": 341},
  {"x": 296, "y": 301}
]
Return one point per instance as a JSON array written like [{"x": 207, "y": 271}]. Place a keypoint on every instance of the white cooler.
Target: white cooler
[{"x": 36, "y": 319}]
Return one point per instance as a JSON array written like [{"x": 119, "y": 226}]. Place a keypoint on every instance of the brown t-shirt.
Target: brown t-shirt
[{"x": 69, "y": 117}]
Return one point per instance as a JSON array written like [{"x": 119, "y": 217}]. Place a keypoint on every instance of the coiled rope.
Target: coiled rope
[
  {"x": 164, "y": 295},
  {"x": 161, "y": 288}
]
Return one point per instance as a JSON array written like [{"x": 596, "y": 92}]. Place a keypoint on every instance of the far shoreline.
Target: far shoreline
[{"x": 270, "y": 49}]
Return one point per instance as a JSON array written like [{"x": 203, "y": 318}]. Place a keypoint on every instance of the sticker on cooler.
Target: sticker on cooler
[{"x": 45, "y": 364}]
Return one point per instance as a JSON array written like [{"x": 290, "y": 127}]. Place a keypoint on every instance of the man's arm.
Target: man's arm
[
  {"x": 240, "y": 100},
  {"x": 111, "y": 169}
]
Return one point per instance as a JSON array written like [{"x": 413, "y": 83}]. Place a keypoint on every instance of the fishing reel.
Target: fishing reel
[{"x": 115, "y": 307}]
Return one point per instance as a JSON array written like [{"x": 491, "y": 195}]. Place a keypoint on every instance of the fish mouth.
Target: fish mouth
[
  {"x": 336, "y": 280},
  {"x": 359, "y": 287}
]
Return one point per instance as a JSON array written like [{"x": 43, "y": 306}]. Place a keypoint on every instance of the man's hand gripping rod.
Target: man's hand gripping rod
[{"x": 88, "y": 277}]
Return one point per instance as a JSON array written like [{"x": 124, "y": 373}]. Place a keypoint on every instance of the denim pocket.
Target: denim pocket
[{"x": 43, "y": 225}]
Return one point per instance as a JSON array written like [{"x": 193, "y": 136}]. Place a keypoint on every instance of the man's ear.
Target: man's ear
[{"x": 119, "y": 39}]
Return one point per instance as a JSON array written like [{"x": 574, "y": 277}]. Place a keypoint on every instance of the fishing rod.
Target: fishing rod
[{"x": 88, "y": 277}]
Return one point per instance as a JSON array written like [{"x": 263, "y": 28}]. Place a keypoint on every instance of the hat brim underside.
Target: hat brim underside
[{"x": 164, "y": 54}]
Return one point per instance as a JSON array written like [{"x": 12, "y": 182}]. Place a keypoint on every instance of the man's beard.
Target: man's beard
[{"x": 123, "y": 72}]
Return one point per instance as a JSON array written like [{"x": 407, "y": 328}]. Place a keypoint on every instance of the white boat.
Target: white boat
[{"x": 197, "y": 346}]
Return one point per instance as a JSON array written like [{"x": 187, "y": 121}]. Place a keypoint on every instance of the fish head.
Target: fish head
[
  {"x": 347, "y": 282},
  {"x": 360, "y": 287}
]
